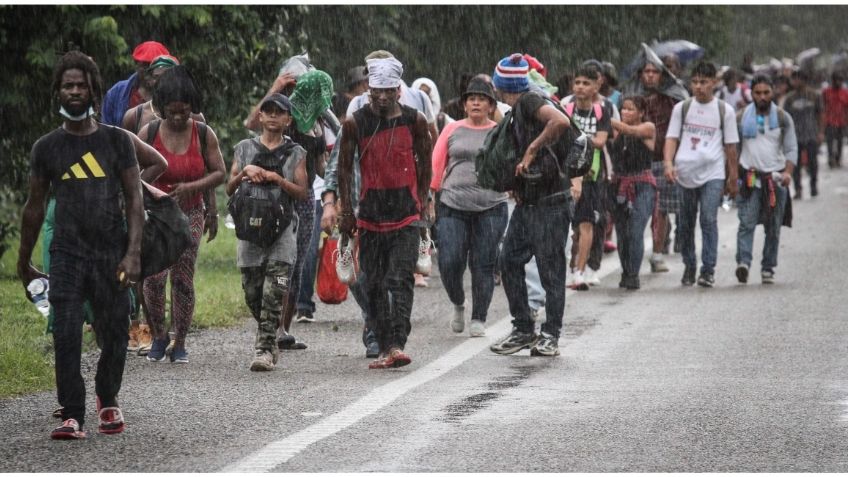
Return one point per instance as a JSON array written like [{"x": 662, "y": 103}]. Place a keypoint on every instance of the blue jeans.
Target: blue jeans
[
  {"x": 470, "y": 238},
  {"x": 708, "y": 199},
  {"x": 538, "y": 231},
  {"x": 749, "y": 212},
  {"x": 310, "y": 265},
  {"x": 630, "y": 229}
]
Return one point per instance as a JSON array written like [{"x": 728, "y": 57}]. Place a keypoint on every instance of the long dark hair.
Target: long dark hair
[
  {"x": 77, "y": 60},
  {"x": 176, "y": 84}
]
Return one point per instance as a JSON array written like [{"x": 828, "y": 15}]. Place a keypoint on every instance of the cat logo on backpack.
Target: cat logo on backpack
[{"x": 256, "y": 221}]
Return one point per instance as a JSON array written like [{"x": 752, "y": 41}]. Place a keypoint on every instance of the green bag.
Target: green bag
[{"x": 495, "y": 162}]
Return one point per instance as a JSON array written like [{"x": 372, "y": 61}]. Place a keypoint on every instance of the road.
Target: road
[{"x": 738, "y": 378}]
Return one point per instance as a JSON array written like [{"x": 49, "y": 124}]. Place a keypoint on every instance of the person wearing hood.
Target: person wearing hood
[
  {"x": 661, "y": 92},
  {"x": 432, "y": 91}
]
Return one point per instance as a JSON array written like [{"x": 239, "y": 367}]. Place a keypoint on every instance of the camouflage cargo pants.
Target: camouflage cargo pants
[{"x": 265, "y": 288}]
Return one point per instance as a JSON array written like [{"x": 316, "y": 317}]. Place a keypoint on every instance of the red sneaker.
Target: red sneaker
[
  {"x": 111, "y": 419},
  {"x": 70, "y": 429},
  {"x": 609, "y": 246},
  {"x": 397, "y": 358}
]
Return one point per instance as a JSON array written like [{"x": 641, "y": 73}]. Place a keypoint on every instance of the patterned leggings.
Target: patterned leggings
[
  {"x": 182, "y": 287},
  {"x": 305, "y": 210}
]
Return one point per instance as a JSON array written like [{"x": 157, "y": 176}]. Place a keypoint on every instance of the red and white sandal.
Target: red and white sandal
[
  {"x": 111, "y": 419},
  {"x": 70, "y": 429}
]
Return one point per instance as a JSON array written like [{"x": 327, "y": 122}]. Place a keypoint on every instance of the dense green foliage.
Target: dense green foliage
[{"x": 235, "y": 51}]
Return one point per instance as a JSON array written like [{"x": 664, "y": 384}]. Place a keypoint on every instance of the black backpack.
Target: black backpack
[{"x": 261, "y": 212}]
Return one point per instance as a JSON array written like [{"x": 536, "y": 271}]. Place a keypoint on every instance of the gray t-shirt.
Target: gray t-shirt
[
  {"x": 459, "y": 182},
  {"x": 285, "y": 248},
  {"x": 805, "y": 109}
]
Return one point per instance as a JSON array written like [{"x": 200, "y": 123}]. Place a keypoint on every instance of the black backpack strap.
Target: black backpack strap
[
  {"x": 201, "y": 135},
  {"x": 152, "y": 130},
  {"x": 139, "y": 111}
]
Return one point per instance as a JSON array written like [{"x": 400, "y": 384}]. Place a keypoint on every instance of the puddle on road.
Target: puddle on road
[{"x": 456, "y": 412}]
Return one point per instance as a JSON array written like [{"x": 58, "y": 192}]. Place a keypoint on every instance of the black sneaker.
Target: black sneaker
[
  {"x": 706, "y": 280},
  {"x": 742, "y": 273},
  {"x": 688, "y": 277},
  {"x": 514, "y": 342},
  {"x": 546, "y": 345},
  {"x": 631, "y": 283}
]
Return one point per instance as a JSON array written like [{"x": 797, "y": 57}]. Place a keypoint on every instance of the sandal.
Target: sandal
[{"x": 111, "y": 419}]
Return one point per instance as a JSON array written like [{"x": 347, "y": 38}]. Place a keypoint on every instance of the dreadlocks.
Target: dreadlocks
[
  {"x": 176, "y": 84},
  {"x": 76, "y": 60}
]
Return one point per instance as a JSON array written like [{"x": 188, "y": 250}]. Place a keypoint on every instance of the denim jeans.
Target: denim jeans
[
  {"x": 470, "y": 238},
  {"x": 535, "y": 292},
  {"x": 538, "y": 231},
  {"x": 707, "y": 198},
  {"x": 388, "y": 259},
  {"x": 630, "y": 229},
  {"x": 310, "y": 265},
  {"x": 833, "y": 138},
  {"x": 812, "y": 165},
  {"x": 749, "y": 212}
]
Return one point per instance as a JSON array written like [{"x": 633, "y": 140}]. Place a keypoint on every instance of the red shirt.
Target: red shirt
[
  {"x": 835, "y": 106},
  {"x": 186, "y": 167},
  {"x": 135, "y": 99}
]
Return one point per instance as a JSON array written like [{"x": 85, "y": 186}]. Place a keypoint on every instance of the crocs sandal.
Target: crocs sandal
[{"x": 70, "y": 429}]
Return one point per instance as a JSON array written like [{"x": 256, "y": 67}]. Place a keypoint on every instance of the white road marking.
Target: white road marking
[{"x": 279, "y": 452}]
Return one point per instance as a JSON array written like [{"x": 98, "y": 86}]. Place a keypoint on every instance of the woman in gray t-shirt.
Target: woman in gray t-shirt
[{"x": 471, "y": 219}]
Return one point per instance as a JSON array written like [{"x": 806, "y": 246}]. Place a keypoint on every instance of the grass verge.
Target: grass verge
[{"x": 26, "y": 352}]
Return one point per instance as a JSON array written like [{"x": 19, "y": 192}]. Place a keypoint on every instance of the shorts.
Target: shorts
[{"x": 590, "y": 206}]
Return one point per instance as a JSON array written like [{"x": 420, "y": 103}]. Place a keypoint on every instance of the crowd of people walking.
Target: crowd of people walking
[{"x": 384, "y": 165}]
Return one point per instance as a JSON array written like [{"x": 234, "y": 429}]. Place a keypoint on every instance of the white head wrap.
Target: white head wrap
[
  {"x": 435, "y": 97},
  {"x": 384, "y": 73}
]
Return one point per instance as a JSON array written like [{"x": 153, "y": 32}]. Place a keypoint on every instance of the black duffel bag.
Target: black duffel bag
[{"x": 166, "y": 234}]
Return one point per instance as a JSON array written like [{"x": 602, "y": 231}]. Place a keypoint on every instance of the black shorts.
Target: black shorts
[{"x": 590, "y": 207}]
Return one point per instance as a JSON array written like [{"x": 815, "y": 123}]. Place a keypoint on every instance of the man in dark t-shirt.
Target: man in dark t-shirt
[
  {"x": 539, "y": 223},
  {"x": 92, "y": 170}
]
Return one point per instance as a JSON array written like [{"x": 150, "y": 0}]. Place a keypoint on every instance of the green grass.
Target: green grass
[{"x": 26, "y": 352}]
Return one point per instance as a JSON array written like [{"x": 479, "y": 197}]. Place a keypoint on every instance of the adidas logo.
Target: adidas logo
[{"x": 78, "y": 172}]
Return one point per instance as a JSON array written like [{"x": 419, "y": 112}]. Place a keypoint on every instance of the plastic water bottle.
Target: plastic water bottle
[{"x": 38, "y": 289}]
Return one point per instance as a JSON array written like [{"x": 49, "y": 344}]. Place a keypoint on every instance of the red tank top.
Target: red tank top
[{"x": 186, "y": 167}]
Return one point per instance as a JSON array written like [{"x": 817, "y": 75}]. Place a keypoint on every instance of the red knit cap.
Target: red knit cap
[{"x": 148, "y": 51}]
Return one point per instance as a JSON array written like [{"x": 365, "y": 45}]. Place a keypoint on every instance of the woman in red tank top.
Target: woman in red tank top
[{"x": 188, "y": 176}]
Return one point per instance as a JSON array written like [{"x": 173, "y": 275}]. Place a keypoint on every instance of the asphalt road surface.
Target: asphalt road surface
[{"x": 738, "y": 378}]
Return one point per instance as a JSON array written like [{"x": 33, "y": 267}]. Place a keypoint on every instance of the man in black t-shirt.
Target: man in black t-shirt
[
  {"x": 91, "y": 169},
  {"x": 539, "y": 223}
]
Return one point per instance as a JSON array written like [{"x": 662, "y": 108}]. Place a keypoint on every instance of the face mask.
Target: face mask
[{"x": 65, "y": 114}]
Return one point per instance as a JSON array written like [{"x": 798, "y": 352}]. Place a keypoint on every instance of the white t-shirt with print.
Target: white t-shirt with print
[{"x": 700, "y": 155}]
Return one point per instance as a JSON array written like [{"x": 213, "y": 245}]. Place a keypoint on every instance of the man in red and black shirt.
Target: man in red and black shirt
[{"x": 394, "y": 149}]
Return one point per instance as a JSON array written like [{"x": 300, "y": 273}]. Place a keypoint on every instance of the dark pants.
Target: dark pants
[
  {"x": 833, "y": 137},
  {"x": 538, "y": 231},
  {"x": 470, "y": 238},
  {"x": 812, "y": 165},
  {"x": 388, "y": 260},
  {"x": 74, "y": 280},
  {"x": 630, "y": 226},
  {"x": 310, "y": 265}
]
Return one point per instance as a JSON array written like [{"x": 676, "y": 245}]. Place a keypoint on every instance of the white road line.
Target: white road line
[{"x": 281, "y": 451}]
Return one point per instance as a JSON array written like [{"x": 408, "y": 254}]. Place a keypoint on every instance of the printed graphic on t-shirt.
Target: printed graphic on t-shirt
[
  {"x": 587, "y": 120},
  {"x": 77, "y": 171},
  {"x": 699, "y": 134}
]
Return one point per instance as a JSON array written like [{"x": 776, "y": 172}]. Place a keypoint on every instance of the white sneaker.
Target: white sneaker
[
  {"x": 458, "y": 321},
  {"x": 477, "y": 328},
  {"x": 424, "y": 264},
  {"x": 591, "y": 279},
  {"x": 579, "y": 283},
  {"x": 343, "y": 256}
]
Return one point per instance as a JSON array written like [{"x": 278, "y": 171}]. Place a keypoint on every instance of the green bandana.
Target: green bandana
[{"x": 311, "y": 97}]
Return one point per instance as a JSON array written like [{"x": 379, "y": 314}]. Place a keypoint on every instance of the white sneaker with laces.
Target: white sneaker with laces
[
  {"x": 343, "y": 256},
  {"x": 424, "y": 265},
  {"x": 579, "y": 282},
  {"x": 590, "y": 277}
]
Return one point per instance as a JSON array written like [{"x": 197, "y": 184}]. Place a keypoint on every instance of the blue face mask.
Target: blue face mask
[{"x": 65, "y": 114}]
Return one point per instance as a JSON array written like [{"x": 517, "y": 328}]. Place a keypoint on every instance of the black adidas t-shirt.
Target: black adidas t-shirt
[{"x": 85, "y": 177}]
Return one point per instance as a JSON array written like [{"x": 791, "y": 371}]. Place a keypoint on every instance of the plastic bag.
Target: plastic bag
[{"x": 329, "y": 289}]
